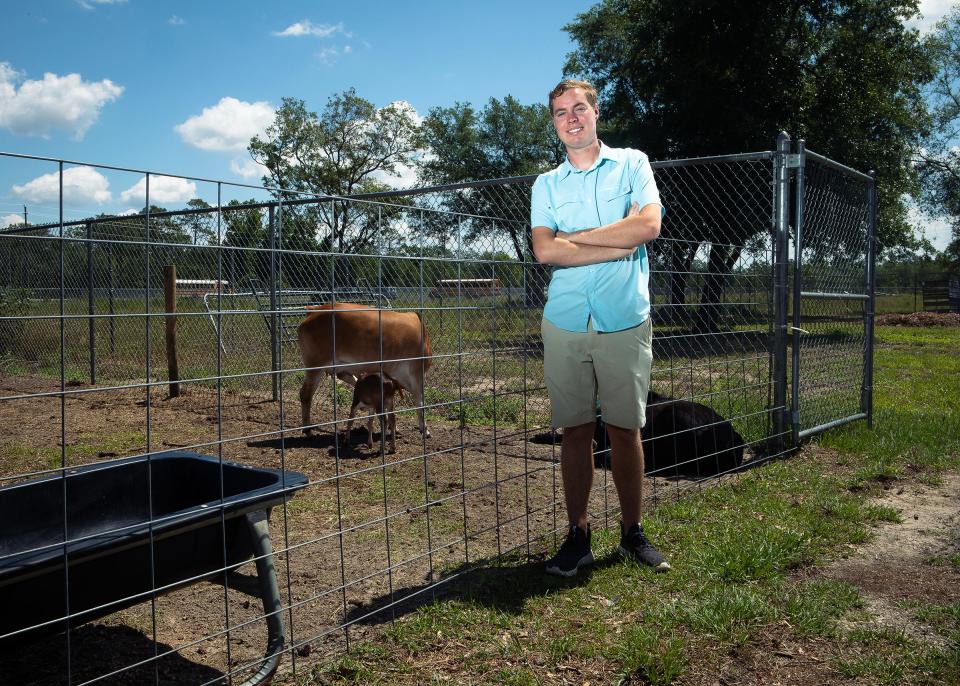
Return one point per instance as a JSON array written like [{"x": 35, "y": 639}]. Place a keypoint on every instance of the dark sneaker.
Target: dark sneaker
[
  {"x": 635, "y": 546},
  {"x": 573, "y": 554}
]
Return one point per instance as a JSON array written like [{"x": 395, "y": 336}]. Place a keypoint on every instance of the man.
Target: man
[{"x": 591, "y": 218}]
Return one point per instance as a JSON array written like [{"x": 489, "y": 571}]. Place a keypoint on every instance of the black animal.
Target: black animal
[{"x": 681, "y": 438}]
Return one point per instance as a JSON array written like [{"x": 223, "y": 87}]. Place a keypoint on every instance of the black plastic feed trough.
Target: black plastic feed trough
[{"x": 194, "y": 508}]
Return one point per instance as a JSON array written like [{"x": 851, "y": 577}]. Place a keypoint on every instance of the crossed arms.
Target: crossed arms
[{"x": 602, "y": 244}]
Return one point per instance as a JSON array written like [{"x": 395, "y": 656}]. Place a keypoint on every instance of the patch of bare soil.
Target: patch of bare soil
[
  {"x": 919, "y": 319},
  {"x": 369, "y": 530},
  {"x": 893, "y": 572}
]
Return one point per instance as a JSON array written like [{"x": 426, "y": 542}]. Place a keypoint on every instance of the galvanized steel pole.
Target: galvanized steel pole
[
  {"x": 781, "y": 192},
  {"x": 870, "y": 306}
]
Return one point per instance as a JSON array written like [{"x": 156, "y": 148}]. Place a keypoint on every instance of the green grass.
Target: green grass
[{"x": 736, "y": 551}]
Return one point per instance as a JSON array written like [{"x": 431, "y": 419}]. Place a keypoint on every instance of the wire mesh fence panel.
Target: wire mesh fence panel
[
  {"x": 834, "y": 295},
  {"x": 249, "y": 473},
  {"x": 711, "y": 279}
]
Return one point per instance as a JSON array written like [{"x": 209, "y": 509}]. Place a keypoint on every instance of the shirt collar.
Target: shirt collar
[{"x": 606, "y": 153}]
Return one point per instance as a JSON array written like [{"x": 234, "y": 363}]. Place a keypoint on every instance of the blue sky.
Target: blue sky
[{"x": 179, "y": 86}]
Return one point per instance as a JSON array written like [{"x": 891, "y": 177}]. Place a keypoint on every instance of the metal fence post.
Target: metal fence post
[
  {"x": 866, "y": 393},
  {"x": 781, "y": 191},
  {"x": 91, "y": 325},
  {"x": 274, "y": 337},
  {"x": 797, "y": 285},
  {"x": 113, "y": 338}
]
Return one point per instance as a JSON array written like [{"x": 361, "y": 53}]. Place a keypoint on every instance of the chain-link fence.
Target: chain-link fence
[{"x": 357, "y": 534}]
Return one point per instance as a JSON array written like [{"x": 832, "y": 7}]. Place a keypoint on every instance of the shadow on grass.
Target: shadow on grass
[{"x": 505, "y": 588}]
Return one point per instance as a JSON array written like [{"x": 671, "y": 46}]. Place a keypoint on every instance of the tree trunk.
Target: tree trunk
[{"x": 722, "y": 259}]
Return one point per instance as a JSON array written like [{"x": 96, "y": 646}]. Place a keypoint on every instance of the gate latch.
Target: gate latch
[
  {"x": 793, "y": 160},
  {"x": 797, "y": 328}
]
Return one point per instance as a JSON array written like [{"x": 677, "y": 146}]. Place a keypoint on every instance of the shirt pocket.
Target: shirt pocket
[
  {"x": 614, "y": 203},
  {"x": 568, "y": 208}
]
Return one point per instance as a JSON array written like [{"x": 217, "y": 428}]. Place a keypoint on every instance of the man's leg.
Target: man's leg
[
  {"x": 576, "y": 468},
  {"x": 626, "y": 463},
  {"x": 568, "y": 374}
]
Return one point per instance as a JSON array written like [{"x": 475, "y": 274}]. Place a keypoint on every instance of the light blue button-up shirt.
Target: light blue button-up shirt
[{"x": 615, "y": 295}]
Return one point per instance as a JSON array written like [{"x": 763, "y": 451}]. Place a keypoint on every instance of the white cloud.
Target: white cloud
[
  {"x": 91, "y": 4},
  {"x": 308, "y": 28},
  {"x": 931, "y": 11},
  {"x": 247, "y": 168},
  {"x": 227, "y": 126},
  {"x": 174, "y": 20},
  {"x": 163, "y": 189},
  {"x": 411, "y": 111},
  {"x": 406, "y": 177},
  {"x": 57, "y": 102},
  {"x": 328, "y": 55},
  {"x": 936, "y": 229},
  {"x": 10, "y": 220},
  {"x": 80, "y": 185}
]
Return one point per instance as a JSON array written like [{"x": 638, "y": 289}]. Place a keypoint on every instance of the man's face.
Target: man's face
[{"x": 575, "y": 119}]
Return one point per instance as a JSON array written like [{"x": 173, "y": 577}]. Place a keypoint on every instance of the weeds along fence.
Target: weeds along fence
[{"x": 763, "y": 302}]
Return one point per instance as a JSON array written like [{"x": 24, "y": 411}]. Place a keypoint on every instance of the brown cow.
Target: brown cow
[
  {"x": 375, "y": 394},
  {"x": 366, "y": 341}
]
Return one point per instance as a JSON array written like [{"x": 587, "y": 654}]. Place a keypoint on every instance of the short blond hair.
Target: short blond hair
[{"x": 570, "y": 84}]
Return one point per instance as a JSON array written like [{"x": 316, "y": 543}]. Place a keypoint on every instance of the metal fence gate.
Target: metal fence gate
[
  {"x": 762, "y": 297},
  {"x": 831, "y": 235}
]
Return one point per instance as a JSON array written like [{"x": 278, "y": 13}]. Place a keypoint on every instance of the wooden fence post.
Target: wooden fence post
[{"x": 170, "y": 306}]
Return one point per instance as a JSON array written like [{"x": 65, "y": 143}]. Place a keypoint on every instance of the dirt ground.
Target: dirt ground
[
  {"x": 919, "y": 319},
  {"x": 372, "y": 529},
  {"x": 893, "y": 573},
  {"x": 369, "y": 530}
]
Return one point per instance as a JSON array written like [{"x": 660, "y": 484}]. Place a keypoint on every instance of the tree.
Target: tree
[
  {"x": 724, "y": 76},
  {"x": 245, "y": 234},
  {"x": 503, "y": 140},
  {"x": 938, "y": 160},
  {"x": 345, "y": 151},
  {"x": 201, "y": 225}
]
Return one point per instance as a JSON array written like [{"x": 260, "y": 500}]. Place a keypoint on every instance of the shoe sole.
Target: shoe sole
[
  {"x": 627, "y": 555},
  {"x": 582, "y": 562}
]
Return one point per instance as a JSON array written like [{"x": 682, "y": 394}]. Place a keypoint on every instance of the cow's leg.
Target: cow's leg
[
  {"x": 410, "y": 379},
  {"x": 370, "y": 431},
  {"x": 392, "y": 423},
  {"x": 310, "y": 381}
]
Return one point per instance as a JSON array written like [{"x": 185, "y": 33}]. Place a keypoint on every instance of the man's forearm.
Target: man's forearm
[
  {"x": 633, "y": 230},
  {"x": 561, "y": 252}
]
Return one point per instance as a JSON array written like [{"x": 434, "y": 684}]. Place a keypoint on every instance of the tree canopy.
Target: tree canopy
[
  {"x": 350, "y": 148},
  {"x": 504, "y": 139},
  {"x": 724, "y": 76},
  {"x": 938, "y": 160}
]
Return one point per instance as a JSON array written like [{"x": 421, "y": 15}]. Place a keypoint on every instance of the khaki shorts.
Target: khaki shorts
[{"x": 579, "y": 367}]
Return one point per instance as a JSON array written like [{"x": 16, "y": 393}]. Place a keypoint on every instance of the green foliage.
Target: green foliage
[
  {"x": 650, "y": 657},
  {"x": 504, "y": 139},
  {"x": 340, "y": 152},
  {"x": 938, "y": 159},
  {"x": 692, "y": 79},
  {"x": 812, "y": 608},
  {"x": 729, "y": 613}
]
